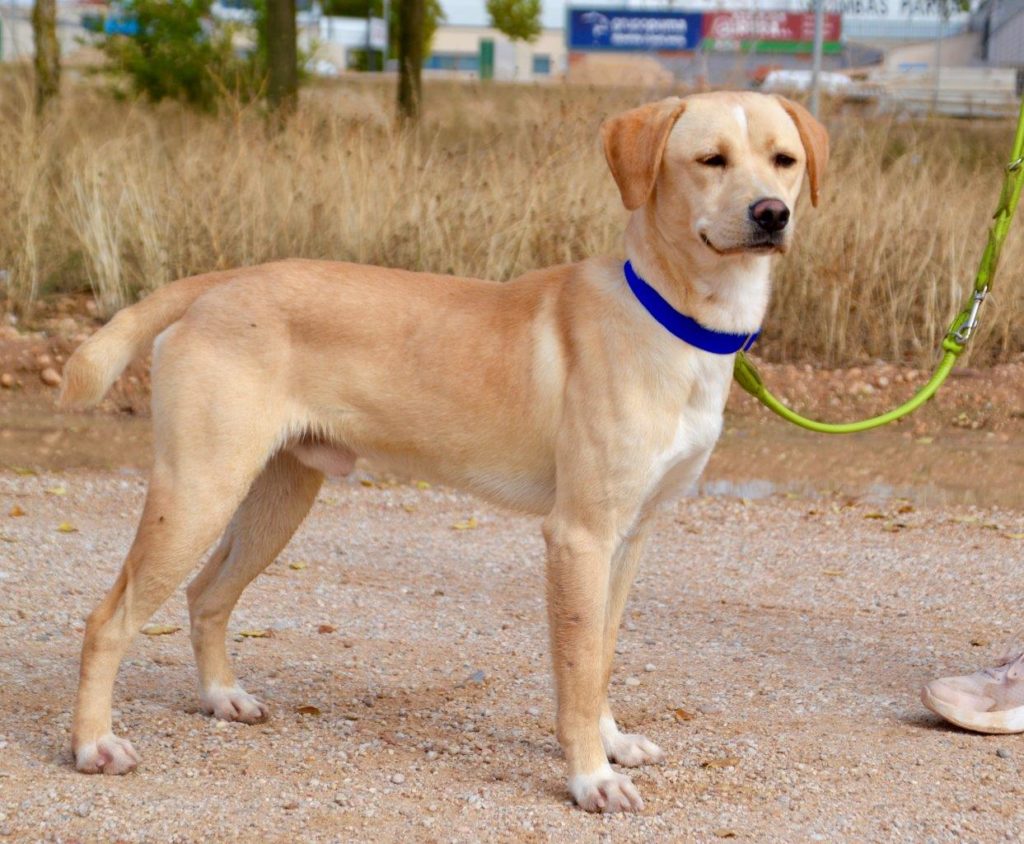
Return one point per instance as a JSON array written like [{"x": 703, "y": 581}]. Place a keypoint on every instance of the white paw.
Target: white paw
[
  {"x": 605, "y": 791},
  {"x": 233, "y": 703},
  {"x": 628, "y": 749},
  {"x": 107, "y": 755}
]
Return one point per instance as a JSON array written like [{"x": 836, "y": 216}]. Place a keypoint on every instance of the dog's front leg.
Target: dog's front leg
[
  {"x": 628, "y": 749},
  {"x": 578, "y": 577}
]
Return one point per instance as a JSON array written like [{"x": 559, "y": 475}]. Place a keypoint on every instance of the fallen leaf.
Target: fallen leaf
[
  {"x": 925, "y": 440},
  {"x": 965, "y": 520},
  {"x": 466, "y": 524},
  {"x": 159, "y": 629},
  {"x": 57, "y": 490},
  {"x": 308, "y": 709},
  {"x": 256, "y": 634},
  {"x": 979, "y": 643},
  {"x": 16, "y": 511},
  {"x": 724, "y": 762},
  {"x": 905, "y": 508},
  {"x": 409, "y": 508},
  {"x": 366, "y": 482},
  {"x": 833, "y": 572},
  {"x": 298, "y": 565},
  {"x": 1014, "y": 535},
  {"x": 725, "y": 833},
  {"x": 24, "y": 471},
  {"x": 874, "y": 515},
  {"x": 7, "y": 538},
  {"x": 682, "y": 715},
  {"x": 67, "y": 527},
  {"x": 326, "y": 628},
  {"x": 894, "y": 527},
  {"x": 422, "y": 485}
]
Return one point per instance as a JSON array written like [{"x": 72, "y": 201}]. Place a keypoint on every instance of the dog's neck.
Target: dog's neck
[{"x": 724, "y": 293}]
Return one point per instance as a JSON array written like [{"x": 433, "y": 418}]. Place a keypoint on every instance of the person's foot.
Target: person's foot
[{"x": 990, "y": 701}]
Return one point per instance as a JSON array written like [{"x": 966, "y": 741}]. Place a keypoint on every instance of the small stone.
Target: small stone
[
  {"x": 7, "y": 381},
  {"x": 341, "y": 799},
  {"x": 632, "y": 681},
  {"x": 291, "y": 805},
  {"x": 534, "y": 711},
  {"x": 83, "y": 810},
  {"x": 1003, "y": 753},
  {"x": 397, "y": 779},
  {"x": 44, "y": 361},
  {"x": 50, "y": 377},
  {"x": 650, "y": 667}
]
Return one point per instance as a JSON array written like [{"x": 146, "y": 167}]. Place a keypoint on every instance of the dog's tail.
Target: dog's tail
[{"x": 98, "y": 362}]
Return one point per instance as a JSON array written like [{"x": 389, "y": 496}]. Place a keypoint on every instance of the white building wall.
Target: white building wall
[{"x": 465, "y": 41}]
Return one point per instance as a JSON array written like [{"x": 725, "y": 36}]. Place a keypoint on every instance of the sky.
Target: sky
[{"x": 473, "y": 13}]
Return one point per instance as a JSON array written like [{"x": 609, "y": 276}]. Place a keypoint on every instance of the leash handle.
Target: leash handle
[{"x": 955, "y": 341}]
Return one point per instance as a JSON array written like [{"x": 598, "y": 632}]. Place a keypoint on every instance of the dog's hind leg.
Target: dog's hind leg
[
  {"x": 210, "y": 444},
  {"x": 276, "y": 504}
]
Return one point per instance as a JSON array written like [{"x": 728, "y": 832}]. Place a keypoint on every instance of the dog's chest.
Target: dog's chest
[{"x": 695, "y": 426}]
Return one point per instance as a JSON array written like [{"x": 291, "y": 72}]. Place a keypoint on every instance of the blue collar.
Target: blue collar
[{"x": 686, "y": 328}]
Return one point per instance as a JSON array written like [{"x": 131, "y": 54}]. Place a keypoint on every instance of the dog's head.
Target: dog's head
[{"x": 724, "y": 169}]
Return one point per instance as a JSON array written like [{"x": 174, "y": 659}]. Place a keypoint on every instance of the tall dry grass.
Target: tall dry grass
[{"x": 121, "y": 197}]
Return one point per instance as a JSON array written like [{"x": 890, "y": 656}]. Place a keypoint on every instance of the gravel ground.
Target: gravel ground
[{"x": 773, "y": 648}]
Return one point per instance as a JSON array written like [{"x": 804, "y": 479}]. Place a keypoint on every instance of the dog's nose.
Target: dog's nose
[{"x": 770, "y": 214}]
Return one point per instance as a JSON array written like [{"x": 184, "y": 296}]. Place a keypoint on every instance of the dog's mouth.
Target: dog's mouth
[{"x": 763, "y": 246}]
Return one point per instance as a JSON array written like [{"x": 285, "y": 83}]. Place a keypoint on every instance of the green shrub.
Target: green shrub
[{"x": 180, "y": 52}]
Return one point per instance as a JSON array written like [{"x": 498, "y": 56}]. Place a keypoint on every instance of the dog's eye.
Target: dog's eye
[
  {"x": 784, "y": 161},
  {"x": 717, "y": 160}
]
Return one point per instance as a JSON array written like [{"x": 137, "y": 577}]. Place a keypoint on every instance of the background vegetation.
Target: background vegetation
[
  {"x": 179, "y": 53},
  {"x": 120, "y": 197}
]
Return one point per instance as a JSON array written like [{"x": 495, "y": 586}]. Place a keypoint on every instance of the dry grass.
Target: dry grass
[{"x": 123, "y": 197}]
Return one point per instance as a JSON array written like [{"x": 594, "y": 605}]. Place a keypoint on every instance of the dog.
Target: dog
[{"x": 558, "y": 393}]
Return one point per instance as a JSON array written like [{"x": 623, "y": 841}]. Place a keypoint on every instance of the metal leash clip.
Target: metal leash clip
[
  {"x": 1014, "y": 166},
  {"x": 966, "y": 329}
]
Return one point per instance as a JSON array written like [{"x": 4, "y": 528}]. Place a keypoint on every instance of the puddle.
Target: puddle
[{"x": 755, "y": 458}]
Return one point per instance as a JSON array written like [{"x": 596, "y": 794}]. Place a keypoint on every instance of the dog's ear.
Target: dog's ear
[
  {"x": 634, "y": 142},
  {"x": 814, "y": 137}
]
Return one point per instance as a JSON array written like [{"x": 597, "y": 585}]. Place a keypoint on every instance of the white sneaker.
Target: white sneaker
[{"x": 990, "y": 701}]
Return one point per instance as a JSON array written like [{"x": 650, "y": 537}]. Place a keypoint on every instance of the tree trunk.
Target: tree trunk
[
  {"x": 282, "y": 56},
  {"x": 410, "y": 57},
  {"x": 47, "y": 61}
]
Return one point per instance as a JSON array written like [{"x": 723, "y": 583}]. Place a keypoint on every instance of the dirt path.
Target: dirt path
[{"x": 792, "y": 633}]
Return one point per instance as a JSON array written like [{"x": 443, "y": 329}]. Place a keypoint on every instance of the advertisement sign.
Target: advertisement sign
[
  {"x": 768, "y": 31},
  {"x": 633, "y": 30},
  {"x": 768, "y": 26}
]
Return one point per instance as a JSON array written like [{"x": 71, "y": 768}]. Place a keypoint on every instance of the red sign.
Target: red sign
[{"x": 768, "y": 26}]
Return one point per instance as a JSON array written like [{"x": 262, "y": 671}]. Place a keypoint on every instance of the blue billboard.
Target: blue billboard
[{"x": 597, "y": 28}]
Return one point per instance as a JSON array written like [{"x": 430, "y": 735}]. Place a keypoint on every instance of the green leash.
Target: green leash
[{"x": 956, "y": 338}]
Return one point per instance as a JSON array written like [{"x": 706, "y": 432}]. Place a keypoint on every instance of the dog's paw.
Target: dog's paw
[
  {"x": 233, "y": 703},
  {"x": 107, "y": 755},
  {"x": 628, "y": 749},
  {"x": 605, "y": 791}
]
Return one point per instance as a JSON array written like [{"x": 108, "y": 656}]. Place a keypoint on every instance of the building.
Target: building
[
  {"x": 457, "y": 50},
  {"x": 1000, "y": 24}
]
